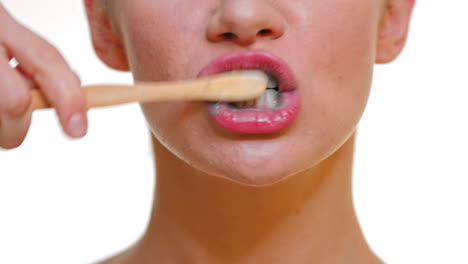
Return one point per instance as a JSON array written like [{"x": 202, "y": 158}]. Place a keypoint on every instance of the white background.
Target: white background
[{"x": 64, "y": 201}]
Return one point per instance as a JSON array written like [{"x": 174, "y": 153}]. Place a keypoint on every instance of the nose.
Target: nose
[{"x": 244, "y": 22}]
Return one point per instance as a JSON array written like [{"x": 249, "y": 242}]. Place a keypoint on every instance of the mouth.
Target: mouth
[{"x": 274, "y": 111}]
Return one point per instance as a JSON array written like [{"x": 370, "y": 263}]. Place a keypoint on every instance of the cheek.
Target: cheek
[
  {"x": 338, "y": 62},
  {"x": 158, "y": 36},
  {"x": 178, "y": 126}
]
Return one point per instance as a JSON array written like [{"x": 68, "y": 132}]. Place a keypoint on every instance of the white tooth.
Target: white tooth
[
  {"x": 268, "y": 100},
  {"x": 272, "y": 99},
  {"x": 272, "y": 82}
]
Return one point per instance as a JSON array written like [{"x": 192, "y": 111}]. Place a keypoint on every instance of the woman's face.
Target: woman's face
[{"x": 323, "y": 50}]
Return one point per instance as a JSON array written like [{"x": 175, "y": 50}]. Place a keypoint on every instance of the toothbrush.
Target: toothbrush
[{"x": 230, "y": 86}]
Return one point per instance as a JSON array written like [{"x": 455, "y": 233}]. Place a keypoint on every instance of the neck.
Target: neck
[{"x": 308, "y": 218}]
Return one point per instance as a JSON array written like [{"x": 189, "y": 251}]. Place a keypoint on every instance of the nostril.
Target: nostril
[
  {"x": 264, "y": 32},
  {"x": 228, "y": 35}
]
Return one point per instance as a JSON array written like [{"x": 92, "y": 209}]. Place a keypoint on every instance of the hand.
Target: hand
[{"x": 41, "y": 66}]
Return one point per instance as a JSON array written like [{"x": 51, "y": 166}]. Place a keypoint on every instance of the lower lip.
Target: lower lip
[{"x": 257, "y": 121}]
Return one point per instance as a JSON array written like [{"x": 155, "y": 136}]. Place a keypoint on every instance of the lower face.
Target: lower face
[{"x": 328, "y": 48}]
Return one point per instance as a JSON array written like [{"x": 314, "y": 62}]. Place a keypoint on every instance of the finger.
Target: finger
[
  {"x": 15, "y": 106},
  {"x": 50, "y": 72},
  {"x": 13, "y": 129},
  {"x": 26, "y": 77},
  {"x": 5, "y": 54},
  {"x": 3, "y": 12},
  {"x": 14, "y": 89}
]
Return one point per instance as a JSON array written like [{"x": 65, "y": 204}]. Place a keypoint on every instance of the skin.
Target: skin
[{"x": 216, "y": 200}]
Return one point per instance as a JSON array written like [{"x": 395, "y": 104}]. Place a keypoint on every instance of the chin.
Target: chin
[
  {"x": 258, "y": 165},
  {"x": 258, "y": 178}
]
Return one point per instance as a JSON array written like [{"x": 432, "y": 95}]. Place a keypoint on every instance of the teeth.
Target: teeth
[{"x": 268, "y": 100}]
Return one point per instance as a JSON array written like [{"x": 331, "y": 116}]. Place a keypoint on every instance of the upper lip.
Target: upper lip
[{"x": 259, "y": 60}]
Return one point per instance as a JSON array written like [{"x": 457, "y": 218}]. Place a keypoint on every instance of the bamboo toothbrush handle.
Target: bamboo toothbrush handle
[
  {"x": 234, "y": 86},
  {"x": 96, "y": 95}
]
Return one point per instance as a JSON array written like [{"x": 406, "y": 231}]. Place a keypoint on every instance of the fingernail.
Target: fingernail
[{"x": 77, "y": 126}]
